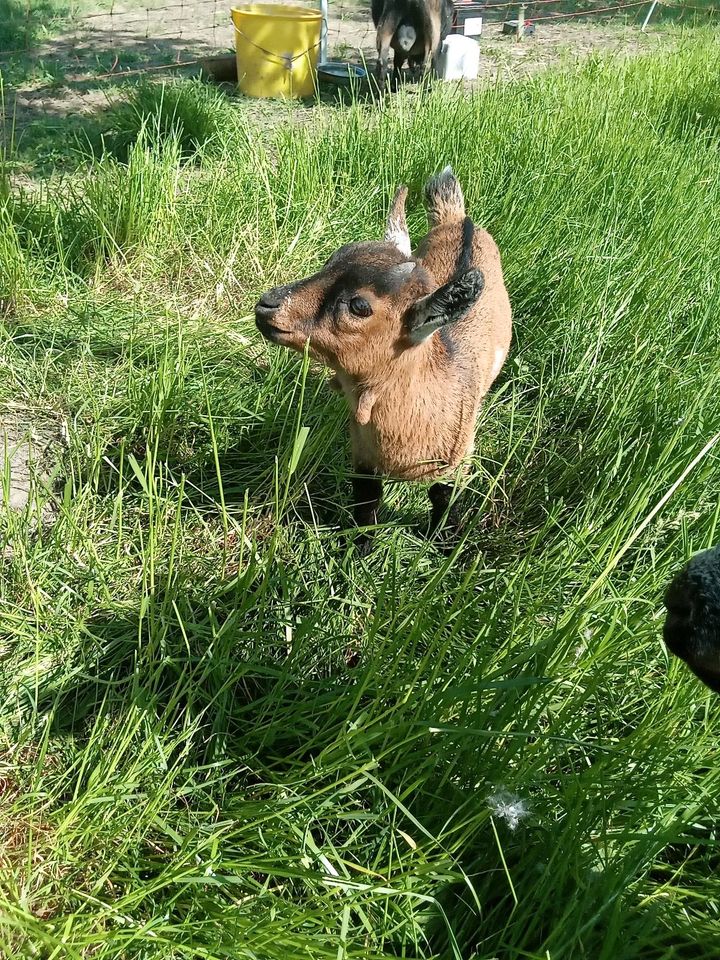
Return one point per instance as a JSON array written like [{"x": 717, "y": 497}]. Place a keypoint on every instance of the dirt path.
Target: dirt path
[{"x": 30, "y": 447}]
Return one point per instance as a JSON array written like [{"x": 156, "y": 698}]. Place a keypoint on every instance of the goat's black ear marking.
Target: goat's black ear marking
[
  {"x": 447, "y": 304},
  {"x": 464, "y": 262}
]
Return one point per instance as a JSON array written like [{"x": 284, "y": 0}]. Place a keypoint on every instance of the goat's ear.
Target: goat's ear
[
  {"x": 447, "y": 304},
  {"x": 396, "y": 231}
]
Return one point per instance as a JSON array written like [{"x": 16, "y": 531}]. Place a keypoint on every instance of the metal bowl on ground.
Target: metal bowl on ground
[
  {"x": 222, "y": 69},
  {"x": 340, "y": 73}
]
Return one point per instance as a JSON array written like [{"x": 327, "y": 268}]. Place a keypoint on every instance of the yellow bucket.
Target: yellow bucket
[{"x": 276, "y": 46}]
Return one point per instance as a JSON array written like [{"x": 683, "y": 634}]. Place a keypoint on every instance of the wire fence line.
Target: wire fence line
[
  {"x": 133, "y": 36},
  {"x": 34, "y": 31}
]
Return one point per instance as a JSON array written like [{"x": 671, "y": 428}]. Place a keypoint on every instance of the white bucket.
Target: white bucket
[{"x": 459, "y": 58}]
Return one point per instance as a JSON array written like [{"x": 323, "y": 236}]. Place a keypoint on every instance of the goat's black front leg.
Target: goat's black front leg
[
  {"x": 383, "y": 61},
  {"x": 367, "y": 494},
  {"x": 440, "y": 495},
  {"x": 416, "y": 69}
]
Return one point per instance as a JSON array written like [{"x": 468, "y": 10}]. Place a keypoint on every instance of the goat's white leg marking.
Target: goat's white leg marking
[{"x": 500, "y": 355}]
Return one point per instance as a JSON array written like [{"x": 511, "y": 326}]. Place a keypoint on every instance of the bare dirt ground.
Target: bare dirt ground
[{"x": 30, "y": 447}]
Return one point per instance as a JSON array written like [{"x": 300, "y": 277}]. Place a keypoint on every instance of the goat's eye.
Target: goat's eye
[{"x": 360, "y": 307}]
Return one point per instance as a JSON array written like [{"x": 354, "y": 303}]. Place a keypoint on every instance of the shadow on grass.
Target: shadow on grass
[
  {"x": 57, "y": 126},
  {"x": 694, "y": 116},
  {"x": 221, "y": 661},
  {"x": 56, "y": 96}
]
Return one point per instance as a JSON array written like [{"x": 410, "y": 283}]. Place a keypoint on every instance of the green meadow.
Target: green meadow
[{"x": 223, "y": 733}]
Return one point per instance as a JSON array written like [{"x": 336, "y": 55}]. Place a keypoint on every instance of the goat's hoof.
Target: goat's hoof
[
  {"x": 447, "y": 535},
  {"x": 363, "y": 545},
  {"x": 446, "y": 540}
]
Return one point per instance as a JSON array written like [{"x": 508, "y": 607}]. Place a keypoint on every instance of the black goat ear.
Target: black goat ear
[{"x": 447, "y": 304}]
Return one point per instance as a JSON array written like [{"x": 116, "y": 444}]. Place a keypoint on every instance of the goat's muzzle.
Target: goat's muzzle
[
  {"x": 266, "y": 311},
  {"x": 692, "y": 627}
]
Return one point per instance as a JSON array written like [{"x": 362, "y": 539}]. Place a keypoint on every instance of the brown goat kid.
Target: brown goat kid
[{"x": 415, "y": 342}]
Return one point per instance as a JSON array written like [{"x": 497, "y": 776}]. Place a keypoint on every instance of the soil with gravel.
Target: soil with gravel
[{"x": 30, "y": 449}]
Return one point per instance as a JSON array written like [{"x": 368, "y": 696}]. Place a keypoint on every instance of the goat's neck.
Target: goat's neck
[{"x": 410, "y": 366}]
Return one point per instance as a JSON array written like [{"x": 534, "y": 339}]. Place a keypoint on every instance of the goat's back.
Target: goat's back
[{"x": 482, "y": 338}]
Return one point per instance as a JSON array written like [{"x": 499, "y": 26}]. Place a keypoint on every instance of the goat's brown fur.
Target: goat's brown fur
[{"x": 414, "y": 404}]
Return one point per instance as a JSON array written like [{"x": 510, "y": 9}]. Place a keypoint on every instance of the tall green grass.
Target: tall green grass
[
  {"x": 223, "y": 734},
  {"x": 195, "y": 115}
]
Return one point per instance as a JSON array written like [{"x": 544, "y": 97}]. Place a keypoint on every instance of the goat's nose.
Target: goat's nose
[
  {"x": 679, "y": 601},
  {"x": 272, "y": 299},
  {"x": 679, "y": 597}
]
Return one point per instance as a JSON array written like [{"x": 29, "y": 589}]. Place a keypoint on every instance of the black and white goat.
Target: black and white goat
[{"x": 413, "y": 29}]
